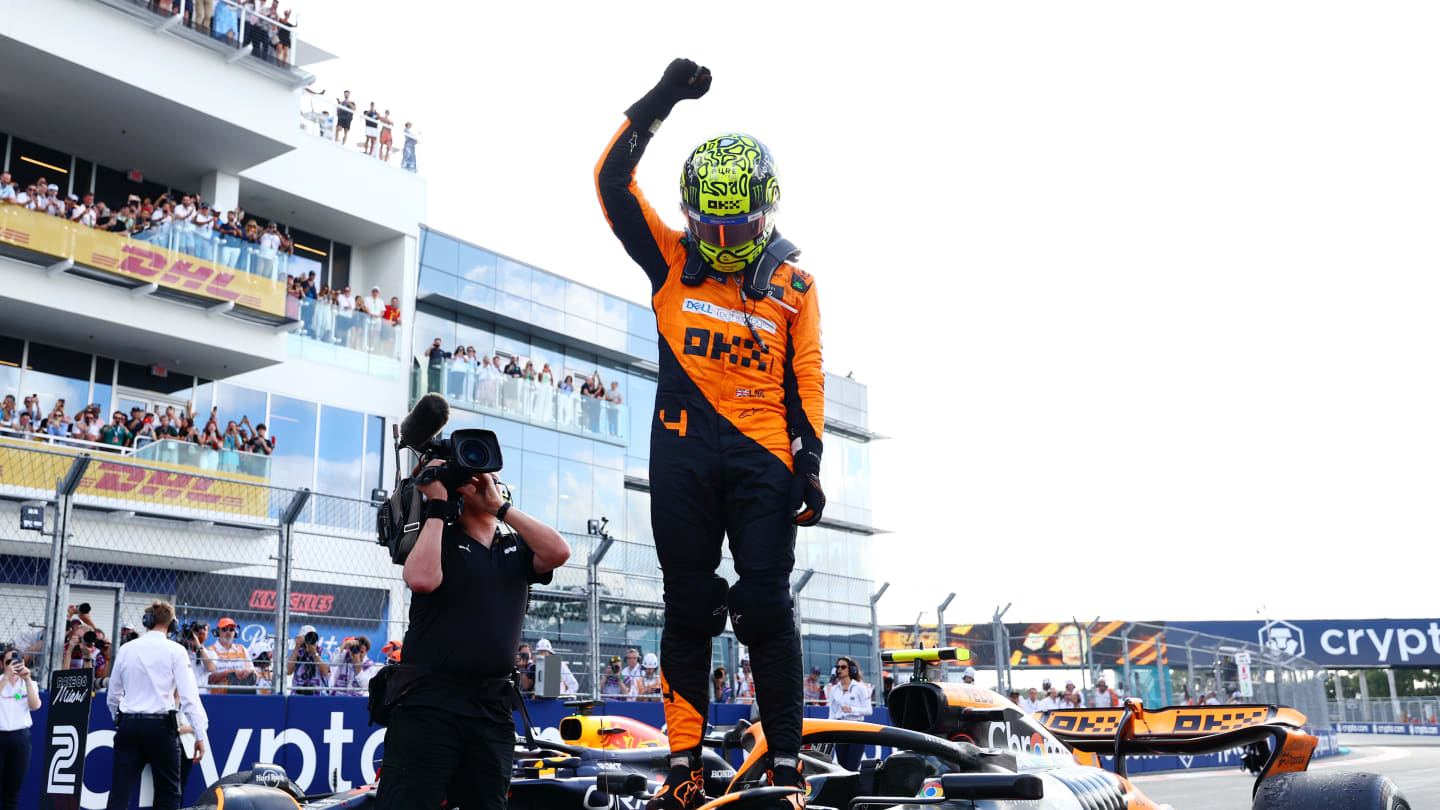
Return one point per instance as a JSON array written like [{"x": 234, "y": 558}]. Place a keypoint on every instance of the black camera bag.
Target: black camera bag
[{"x": 399, "y": 519}]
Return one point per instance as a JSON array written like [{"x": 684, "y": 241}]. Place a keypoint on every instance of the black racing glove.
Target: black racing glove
[
  {"x": 683, "y": 79},
  {"x": 805, "y": 488}
]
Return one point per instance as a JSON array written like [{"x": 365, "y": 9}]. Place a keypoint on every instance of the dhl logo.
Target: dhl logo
[
  {"x": 116, "y": 480},
  {"x": 139, "y": 260}
]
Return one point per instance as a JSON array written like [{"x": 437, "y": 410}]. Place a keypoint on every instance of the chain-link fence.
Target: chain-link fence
[
  {"x": 277, "y": 564},
  {"x": 1410, "y": 710},
  {"x": 1161, "y": 665}
]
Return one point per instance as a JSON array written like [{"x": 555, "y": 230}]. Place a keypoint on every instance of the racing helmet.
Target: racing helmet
[{"x": 729, "y": 194}]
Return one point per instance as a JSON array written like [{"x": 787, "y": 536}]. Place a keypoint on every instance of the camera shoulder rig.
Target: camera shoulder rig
[{"x": 399, "y": 520}]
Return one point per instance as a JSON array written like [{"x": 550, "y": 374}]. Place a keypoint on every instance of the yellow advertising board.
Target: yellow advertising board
[
  {"x": 139, "y": 260},
  {"x": 23, "y": 465}
]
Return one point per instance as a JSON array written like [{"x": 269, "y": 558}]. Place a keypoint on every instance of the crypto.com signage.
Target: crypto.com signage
[{"x": 1338, "y": 643}]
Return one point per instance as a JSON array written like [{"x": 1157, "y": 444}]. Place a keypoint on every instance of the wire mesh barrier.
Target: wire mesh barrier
[
  {"x": 1161, "y": 665},
  {"x": 1400, "y": 710},
  {"x": 314, "y": 602}
]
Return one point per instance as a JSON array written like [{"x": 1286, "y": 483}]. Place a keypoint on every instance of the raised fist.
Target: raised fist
[{"x": 685, "y": 79}]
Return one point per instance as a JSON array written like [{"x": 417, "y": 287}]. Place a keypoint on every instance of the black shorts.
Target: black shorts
[{"x": 342, "y": 120}]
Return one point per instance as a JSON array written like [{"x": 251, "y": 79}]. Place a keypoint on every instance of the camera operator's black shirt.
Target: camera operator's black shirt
[{"x": 469, "y": 627}]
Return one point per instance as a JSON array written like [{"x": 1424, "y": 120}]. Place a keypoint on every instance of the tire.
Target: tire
[{"x": 1312, "y": 790}]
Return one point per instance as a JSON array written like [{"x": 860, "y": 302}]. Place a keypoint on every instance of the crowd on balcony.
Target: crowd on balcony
[
  {"x": 187, "y": 224},
  {"x": 89, "y": 427},
  {"x": 333, "y": 120},
  {"x": 265, "y": 28},
  {"x": 502, "y": 383},
  {"x": 335, "y": 315}
]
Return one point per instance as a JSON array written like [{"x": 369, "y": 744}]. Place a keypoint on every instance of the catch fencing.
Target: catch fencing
[
  {"x": 1161, "y": 665},
  {"x": 1401, "y": 710},
  {"x": 120, "y": 533}
]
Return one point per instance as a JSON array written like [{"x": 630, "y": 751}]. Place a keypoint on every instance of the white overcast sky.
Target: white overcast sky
[{"x": 1145, "y": 293}]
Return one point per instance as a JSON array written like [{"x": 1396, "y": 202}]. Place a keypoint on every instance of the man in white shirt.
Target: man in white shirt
[
  {"x": 1030, "y": 701},
  {"x": 7, "y": 188},
  {"x": 147, "y": 674},
  {"x": 375, "y": 305},
  {"x": 55, "y": 205},
  {"x": 186, "y": 209},
  {"x": 1105, "y": 697},
  {"x": 1050, "y": 699}
]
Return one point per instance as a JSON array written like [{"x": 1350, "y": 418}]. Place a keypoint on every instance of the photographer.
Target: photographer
[
  {"x": 15, "y": 726},
  {"x": 307, "y": 668},
  {"x": 451, "y": 734},
  {"x": 352, "y": 675},
  {"x": 617, "y": 683},
  {"x": 525, "y": 665},
  {"x": 193, "y": 636}
]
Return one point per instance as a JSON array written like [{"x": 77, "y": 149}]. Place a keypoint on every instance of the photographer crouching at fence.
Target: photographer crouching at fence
[{"x": 448, "y": 704}]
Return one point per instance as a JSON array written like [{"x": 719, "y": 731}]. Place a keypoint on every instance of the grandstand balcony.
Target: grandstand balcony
[{"x": 82, "y": 104}]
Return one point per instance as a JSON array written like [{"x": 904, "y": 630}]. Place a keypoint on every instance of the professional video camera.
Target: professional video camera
[{"x": 465, "y": 453}]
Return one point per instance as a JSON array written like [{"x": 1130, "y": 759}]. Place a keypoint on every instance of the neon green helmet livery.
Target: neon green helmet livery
[{"x": 730, "y": 193}]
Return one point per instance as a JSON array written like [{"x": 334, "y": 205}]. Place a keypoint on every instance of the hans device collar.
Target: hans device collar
[{"x": 757, "y": 274}]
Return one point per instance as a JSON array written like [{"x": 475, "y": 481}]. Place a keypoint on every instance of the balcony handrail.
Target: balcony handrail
[
  {"x": 139, "y": 451},
  {"x": 137, "y": 260},
  {"x": 538, "y": 403},
  {"x": 62, "y": 441}
]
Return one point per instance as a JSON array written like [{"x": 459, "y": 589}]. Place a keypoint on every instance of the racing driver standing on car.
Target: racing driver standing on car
[{"x": 739, "y": 411}]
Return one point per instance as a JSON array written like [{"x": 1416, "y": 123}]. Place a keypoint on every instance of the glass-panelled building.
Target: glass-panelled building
[{"x": 573, "y": 460}]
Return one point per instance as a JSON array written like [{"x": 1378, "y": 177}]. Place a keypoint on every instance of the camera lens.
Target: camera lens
[
  {"x": 312, "y": 637},
  {"x": 473, "y": 454}
]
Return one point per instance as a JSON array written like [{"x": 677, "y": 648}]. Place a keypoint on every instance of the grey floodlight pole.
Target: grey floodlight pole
[
  {"x": 57, "y": 588},
  {"x": 283, "y": 574},
  {"x": 1002, "y": 657},
  {"x": 795, "y": 600},
  {"x": 940, "y": 634},
  {"x": 875, "y": 630},
  {"x": 592, "y": 588}
]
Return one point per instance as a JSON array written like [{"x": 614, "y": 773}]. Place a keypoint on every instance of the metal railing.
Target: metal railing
[
  {"x": 278, "y": 562},
  {"x": 208, "y": 244},
  {"x": 229, "y": 23},
  {"x": 1160, "y": 665},
  {"x": 1411, "y": 710},
  {"x": 321, "y": 116},
  {"x": 540, "y": 404}
]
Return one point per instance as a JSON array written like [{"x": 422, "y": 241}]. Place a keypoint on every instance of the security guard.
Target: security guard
[{"x": 143, "y": 682}]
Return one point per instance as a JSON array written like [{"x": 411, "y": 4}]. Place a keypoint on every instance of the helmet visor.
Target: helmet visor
[{"x": 726, "y": 231}]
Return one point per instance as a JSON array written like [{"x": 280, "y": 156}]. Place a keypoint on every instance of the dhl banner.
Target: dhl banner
[
  {"x": 147, "y": 482},
  {"x": 138, "y": 260}
]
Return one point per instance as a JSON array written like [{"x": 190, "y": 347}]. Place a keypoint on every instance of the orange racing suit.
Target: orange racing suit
[{"x": 741, "y": 388}]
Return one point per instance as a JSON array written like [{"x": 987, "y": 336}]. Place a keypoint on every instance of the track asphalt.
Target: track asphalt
[{"x": 1415, "y": 768}]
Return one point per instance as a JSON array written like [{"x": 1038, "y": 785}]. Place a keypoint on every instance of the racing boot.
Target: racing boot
[
  {"x": 684, "y": 787},
  {"x": 785, "y": 772}
]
